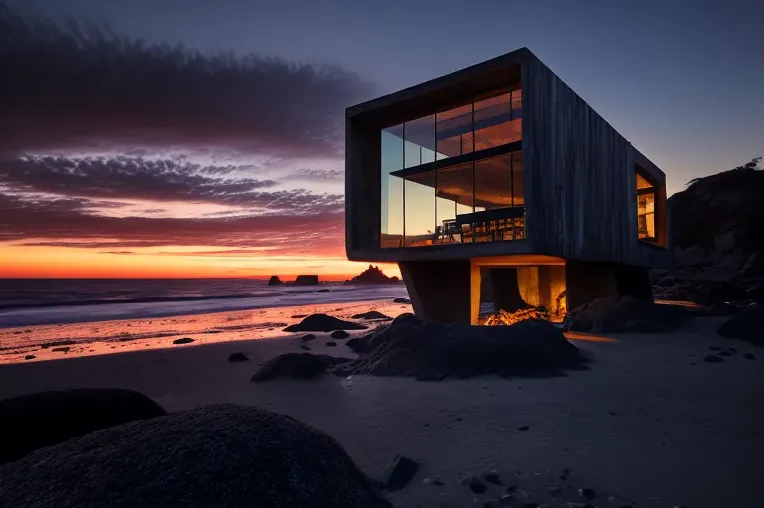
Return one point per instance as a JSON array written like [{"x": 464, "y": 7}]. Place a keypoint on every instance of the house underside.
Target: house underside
[{"x": 452, "y": 291}]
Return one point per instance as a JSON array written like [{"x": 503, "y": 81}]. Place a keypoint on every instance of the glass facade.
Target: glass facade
[{"x": 450, "y": 177}]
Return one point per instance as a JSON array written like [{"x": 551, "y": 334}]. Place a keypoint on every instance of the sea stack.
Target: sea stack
[
  {"x": 372, "y": 275},
  {"x": 306, "y": 280},
  {"x": 274, "y": 281}
]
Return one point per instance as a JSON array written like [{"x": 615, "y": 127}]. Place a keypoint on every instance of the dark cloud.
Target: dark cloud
[
  {"x": 317, "y": 175},
  {"x": 75, "y": 85},
  {"x": 69, "y": 223},
  {"x": 124, "y": 177}
]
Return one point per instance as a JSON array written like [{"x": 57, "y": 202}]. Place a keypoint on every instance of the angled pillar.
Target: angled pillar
[
  {"x": 440, "y": 290},
  {"x": 586, "y": 281},
  {"x": 505, "y": 289}
]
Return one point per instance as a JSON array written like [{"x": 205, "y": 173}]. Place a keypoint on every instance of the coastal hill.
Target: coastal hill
[{"x": 372, "y": 275}]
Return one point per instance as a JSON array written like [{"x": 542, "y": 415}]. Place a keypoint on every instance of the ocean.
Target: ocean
[{"x": 27, "y": 302}]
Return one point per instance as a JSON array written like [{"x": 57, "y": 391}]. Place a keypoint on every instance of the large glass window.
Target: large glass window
[
  {"x": 454, "y": 201},
  {"x": 420, "y": 141},
  {"x": 391, "y": 230},
  {"x": 645, "y": 209},
  {"x": 494, "y": 122},
  {"x": 454, "y": 132},
  {"x": 427, "y": 200},
  {"x": 419, "y": 214}
]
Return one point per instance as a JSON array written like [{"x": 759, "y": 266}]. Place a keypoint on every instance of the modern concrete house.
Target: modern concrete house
[{"x": 501, "y": 168}]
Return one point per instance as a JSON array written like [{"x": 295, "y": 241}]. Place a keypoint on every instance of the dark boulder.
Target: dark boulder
[
  {"x": 748, "y": 325},
  {"x": 373, "y": 315},
  {"x": 274, "y": 281},
  {"x": 400, "y": 473},
  {"x": 323, "y": 323},
  {"x": 331, "y": 343},
  {"x": 43, "y": 419},
  {"x": 184, "y": 340},
  {"x": 339, "y": 334},
  {"x": 296, "y": 365},
  {"x": 30, "y": 357},
  {"x": 238, "y": 357},
  {"x": 307, "y": 337},
  {"x": 428, "y": 350},
  {"x": 622, "y": 314},
  {"x": 401, "y": 300},
  {"x": 360, "y": 345},
  {"x": 217, "y": 456},
  {"x": 476, "y": 485}
]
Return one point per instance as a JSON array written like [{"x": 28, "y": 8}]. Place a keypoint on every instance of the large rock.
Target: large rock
[
  {"x": 297, "y": 366},
  {"x": 42, "y": 419},
  {"x": 428, "y": 350},
  {"x": 323, "y": 323},
  {"x": 716, "y": 225},
  {"x": 372, "y": 275},
  {"x": 217, "y": 456},
  {"x": 372, "y": 315},
  {"x": 623, "y": 314},
  {"x": 274, "y": 281},
  {"x": 748, "y": 325},
  {"x": 306, "y": 280}
]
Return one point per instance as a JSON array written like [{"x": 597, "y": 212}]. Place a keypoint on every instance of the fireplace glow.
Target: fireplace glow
[{"x": 506, "y": 318}]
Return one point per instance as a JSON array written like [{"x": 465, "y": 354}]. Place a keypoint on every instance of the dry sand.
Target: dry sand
[{"x": 649, "y": 420}]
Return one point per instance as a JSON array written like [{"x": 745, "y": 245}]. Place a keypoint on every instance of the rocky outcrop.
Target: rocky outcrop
[
  {"x": 274, "y": 281},
  {"x": 719, "y": 249},
  {"x": 623, "y": 314},
  {"x": 214, "y": 457},
  {"x": 323, "y": 323},
  {"x": 43, "y": 419},
  {"x": 373, "y": 275},
  {"x": 428, "y": 350},
  {"x": 306, "y": 280}
]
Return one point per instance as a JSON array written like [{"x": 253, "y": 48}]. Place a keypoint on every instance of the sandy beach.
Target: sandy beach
[{"x": 649, "y": 420}]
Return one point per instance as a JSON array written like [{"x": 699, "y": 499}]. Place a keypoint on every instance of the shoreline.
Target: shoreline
[
  {"x": 92, "y": 338},
  {"x": 76, "y": 313}
]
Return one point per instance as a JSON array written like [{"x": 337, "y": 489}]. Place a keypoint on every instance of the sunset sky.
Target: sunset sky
[{"x": 189, "y": 138}]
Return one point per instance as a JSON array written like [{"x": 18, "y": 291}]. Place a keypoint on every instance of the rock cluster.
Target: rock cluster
[
  {"x": 217, "y": 456},
  {"x": 372, "y": 275},
  {"x": 623, "y": 314},
  {"x": 427, "y": 350},
  {"x": 274, "y": 281}
]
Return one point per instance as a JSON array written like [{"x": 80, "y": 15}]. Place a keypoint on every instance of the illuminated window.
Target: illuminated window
[{"x": 646, "y": 194}]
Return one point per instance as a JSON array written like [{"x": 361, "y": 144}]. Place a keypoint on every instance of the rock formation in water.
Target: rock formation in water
[
  {"x": 306, "y": 280},
  {"x": 372, "y": 275},
  {"x": 274, "y": 281}
]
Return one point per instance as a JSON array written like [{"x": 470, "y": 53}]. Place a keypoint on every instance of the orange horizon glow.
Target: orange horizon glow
[{"x": 73, "y": 263}]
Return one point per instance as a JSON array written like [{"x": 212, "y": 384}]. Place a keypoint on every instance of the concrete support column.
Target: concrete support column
[
  {"x": 586, "y": 281},
  {"x": 634, "y": 281},
  {"x": 505, "y": 289},
  {"x": 440, "y": 290}
]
